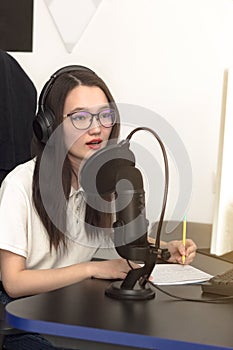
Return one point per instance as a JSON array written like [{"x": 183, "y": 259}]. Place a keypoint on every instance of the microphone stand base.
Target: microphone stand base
[{"x": 138, "y": 293}]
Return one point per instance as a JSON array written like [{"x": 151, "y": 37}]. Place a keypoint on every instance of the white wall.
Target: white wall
[{"x": 165, "y": 55}]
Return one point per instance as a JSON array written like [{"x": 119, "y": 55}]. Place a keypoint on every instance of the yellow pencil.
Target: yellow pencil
[{"x": 184, "y": 237}]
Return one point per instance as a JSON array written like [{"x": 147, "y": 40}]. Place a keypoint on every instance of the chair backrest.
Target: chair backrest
[{"x": 18, "y": 100}]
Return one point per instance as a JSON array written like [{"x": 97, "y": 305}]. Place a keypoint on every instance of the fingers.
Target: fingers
[
  {"x": 122, "y": 275},
  {"x": 190, "y": 258},
  {"x": 190, "y": 246},
  {"x": 127, "y": 268},
  {"x": 190, "y": 251}
]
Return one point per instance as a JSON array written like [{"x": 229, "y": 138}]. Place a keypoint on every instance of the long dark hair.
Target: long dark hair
[{"x": 56, "y": 200}]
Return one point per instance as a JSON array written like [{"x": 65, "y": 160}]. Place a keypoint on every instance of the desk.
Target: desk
[{"x": 83, "y": 311}]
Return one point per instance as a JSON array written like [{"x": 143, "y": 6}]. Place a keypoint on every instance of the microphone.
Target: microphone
[
  {"x": 131, "y": 223},
  {"x": 114, "y": 171},
  {"x": 103, "y": 165},
  {"x": 113, "y": 168}
]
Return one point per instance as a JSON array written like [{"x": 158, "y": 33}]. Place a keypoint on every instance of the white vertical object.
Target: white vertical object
[{"x": 222, "y": 233}]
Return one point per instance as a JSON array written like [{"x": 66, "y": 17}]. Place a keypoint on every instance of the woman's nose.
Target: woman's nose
[{"x": 95, "y": 126}]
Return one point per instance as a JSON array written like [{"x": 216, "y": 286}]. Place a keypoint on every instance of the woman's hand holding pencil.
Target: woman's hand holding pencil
[{"x": 183, "y": 251}]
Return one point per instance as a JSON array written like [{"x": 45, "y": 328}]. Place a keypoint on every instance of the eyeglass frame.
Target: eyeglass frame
[{"x": 96, "y": 115}]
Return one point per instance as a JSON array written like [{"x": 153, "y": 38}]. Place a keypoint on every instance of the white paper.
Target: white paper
[{"x": 171, "y": 274}]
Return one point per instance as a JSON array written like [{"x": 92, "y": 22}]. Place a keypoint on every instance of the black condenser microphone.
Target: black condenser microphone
[
  {"x": 113, "y": 170},
  {"x": 103, "y": 166},
  {"x": 131, "y": 224}
]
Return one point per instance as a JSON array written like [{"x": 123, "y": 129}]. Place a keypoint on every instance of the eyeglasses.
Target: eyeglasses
[{"x": 82, "y": 120}]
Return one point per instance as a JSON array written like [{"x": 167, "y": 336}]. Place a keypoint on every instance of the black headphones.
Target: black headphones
[{"x": 43, "y": 122}]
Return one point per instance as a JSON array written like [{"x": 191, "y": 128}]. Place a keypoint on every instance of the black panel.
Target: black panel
[{"x": 16, "y": 23}]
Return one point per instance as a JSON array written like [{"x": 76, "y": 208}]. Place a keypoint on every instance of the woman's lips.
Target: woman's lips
[{"x": 94, "y": 144}]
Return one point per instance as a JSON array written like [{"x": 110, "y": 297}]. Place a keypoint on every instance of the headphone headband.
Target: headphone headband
[{"x": 54, "y": 76}]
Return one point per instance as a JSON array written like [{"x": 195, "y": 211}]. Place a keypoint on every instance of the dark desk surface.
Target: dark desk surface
[{"x": 83, "y": 311}]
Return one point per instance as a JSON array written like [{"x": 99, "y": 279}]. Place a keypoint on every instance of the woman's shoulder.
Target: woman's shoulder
[{"x": 21, "y": 175}]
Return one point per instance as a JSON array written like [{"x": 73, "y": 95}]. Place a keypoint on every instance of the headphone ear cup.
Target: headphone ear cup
[{"x": 43, "y": 125}]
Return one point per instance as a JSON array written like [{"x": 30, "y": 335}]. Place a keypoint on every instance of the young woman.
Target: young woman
[{"x": 49, "y": 237}]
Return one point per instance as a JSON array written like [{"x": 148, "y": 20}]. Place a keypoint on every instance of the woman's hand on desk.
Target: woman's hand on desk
[
  {"x": 177, "y": 249},
  {"x": 111, "y": 269}
]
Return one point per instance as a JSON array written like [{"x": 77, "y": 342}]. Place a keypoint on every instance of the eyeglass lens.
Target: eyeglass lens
[{"x": 83, "y": 119}]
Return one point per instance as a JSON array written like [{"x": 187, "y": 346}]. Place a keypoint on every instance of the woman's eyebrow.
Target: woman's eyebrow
[
  {"x": 77, "y": 109},
  {"x": 104, "y": 106},
  {"x": 100, "y": 107}
]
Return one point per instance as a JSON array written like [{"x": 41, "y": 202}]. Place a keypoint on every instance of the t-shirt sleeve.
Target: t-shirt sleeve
[{"x": 13, "y": 218}]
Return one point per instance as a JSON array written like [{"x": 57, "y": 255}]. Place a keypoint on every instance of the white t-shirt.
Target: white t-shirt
[{"x": 22, "y": 232}]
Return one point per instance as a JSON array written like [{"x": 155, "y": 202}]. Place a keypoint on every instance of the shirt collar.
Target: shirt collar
[{"x": 73, "y": 191}]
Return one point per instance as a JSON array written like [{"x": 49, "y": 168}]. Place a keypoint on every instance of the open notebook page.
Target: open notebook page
[{"x": 170, "y": 274}]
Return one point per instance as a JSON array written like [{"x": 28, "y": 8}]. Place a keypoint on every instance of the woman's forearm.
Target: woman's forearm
[
  {"x": 29, "y": 282},
  {"x": 18, "y": 281}
]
